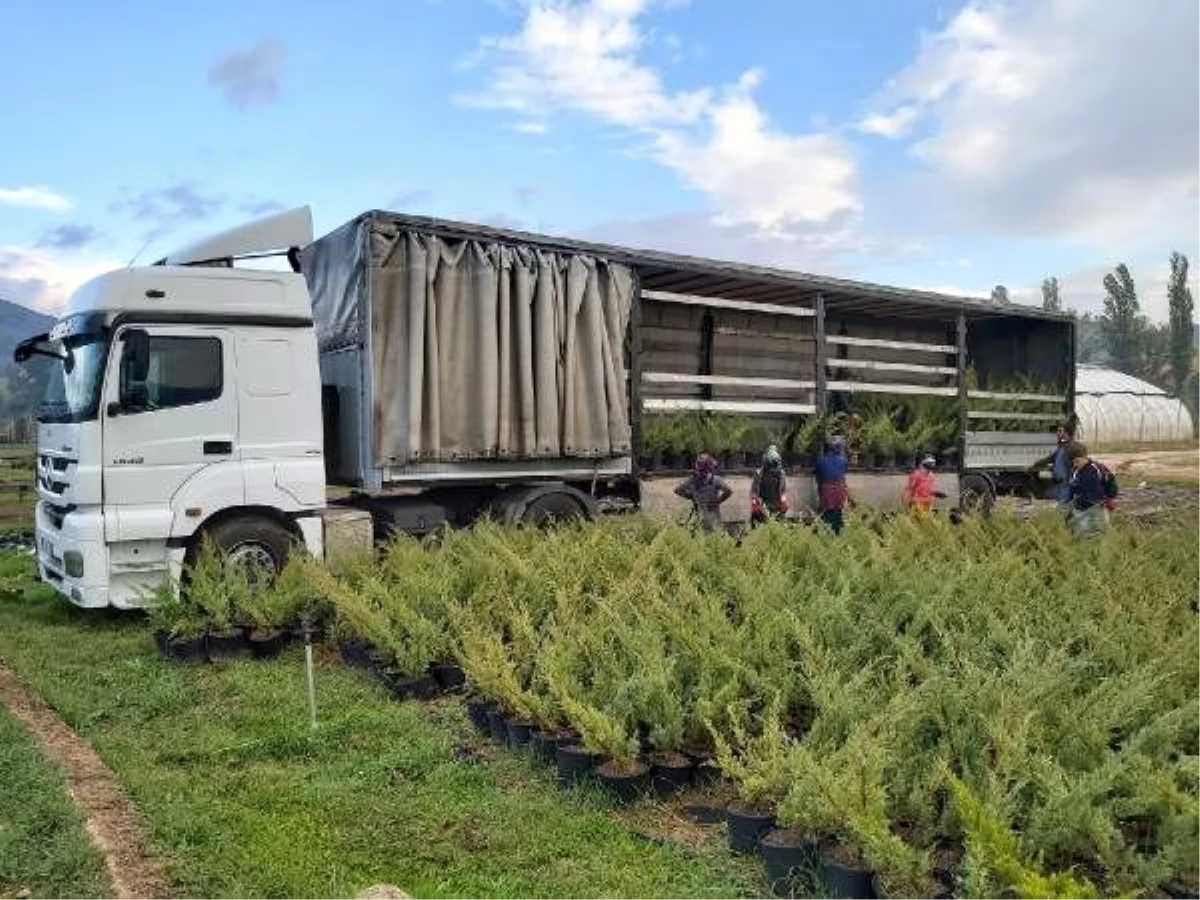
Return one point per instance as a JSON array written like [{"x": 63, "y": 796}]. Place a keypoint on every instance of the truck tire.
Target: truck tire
[
  {"x": 976, "y": 494},
  {"x": 254, "y": 540},
  {"x": 553, "y": 508}
]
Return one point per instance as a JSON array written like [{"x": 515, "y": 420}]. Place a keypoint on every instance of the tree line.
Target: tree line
[{"x": 1123, "y": 338}]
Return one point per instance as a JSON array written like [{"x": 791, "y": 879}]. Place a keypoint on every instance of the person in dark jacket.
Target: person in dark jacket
[
  {"x": 832, "y": 493},
  {"x": 1088, "y": 513},
  {"x": 768, "y": 489},
  {"x": 706, "y": 490},
  {"x": 1059, "y": 463}
]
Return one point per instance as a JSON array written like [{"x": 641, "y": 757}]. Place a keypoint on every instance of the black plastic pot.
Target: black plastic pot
[
  {"x": 792, "y": 861},
  {"x": 669, "y": 772},
  {"x": 222, "y": 645},
  {"x": 477, "y": 711},
  {"x": 1179, "y": 891},
  {"x": 625, "y": 783},
  {"x": 575, "y": 764},
  {"x": 409, "y": 687},
  {"x": 496, "y": 727},
  {"x": 265, "y": 644},
  {"x": 747, "y": 824},
  {"x": 843, "y": 879},
  {"x": 702, "y": 814},
  {"x": 354, "y": 653},
  {"x": 180, "y": 649},
  {"x": 518, "y": 732},
  {"x": 449, "y": 676},
  {"x": 545, "y": 744},
  {"x": 706, "y": 773}
]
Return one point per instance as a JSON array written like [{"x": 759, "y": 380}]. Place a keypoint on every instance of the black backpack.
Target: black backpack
[{"x": 770, "y": 485}]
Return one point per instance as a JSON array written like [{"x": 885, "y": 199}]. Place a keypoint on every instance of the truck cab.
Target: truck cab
[{"x": 184, "y": 402}]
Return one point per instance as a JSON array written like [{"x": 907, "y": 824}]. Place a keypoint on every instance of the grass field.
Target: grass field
[
  {"x": 243, "y": 800},
  {"x": 44, "y": 851}
]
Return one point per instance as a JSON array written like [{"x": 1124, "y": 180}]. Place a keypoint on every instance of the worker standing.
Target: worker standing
[
  {"x": 1089, "y": 498},
  {"x": 1060, "y": 465},
  {"x": 768, "y": 489},
  {"x": 706, "y": 490},
  {"x": 832, "y": 492},
  {"x": 921, "y": 488}
]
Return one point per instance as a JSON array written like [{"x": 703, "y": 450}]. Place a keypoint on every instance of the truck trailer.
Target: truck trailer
[{"x": 411, "y": 373}]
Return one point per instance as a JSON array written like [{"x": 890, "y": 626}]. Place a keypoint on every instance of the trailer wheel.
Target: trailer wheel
[
  {"x": 976, "y": 494},
  {"x": 258, "y": 543},
  {"x": 554, "y": 508}
]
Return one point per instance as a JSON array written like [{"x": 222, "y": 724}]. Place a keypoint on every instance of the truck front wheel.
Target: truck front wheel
[{"x": 257, "y": 543}]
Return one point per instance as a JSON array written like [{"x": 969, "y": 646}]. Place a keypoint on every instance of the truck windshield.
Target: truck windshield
[{"x": 73, "y": 388}]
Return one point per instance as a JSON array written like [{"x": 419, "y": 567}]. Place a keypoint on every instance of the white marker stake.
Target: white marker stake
[{"x": 312, "y": 685}]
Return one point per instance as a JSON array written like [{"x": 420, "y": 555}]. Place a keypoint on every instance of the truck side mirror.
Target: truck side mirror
[
  {"x": 135, "y": 355},
  {"x": 135, "y": 367}
]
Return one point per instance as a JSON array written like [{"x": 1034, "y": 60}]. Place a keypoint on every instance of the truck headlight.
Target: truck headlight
[{"x": 73, "y": 563}]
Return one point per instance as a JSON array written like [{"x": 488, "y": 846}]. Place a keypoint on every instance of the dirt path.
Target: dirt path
[
  {"x": 1180, "y": 464},
  {"x": 111, "y": 818}
]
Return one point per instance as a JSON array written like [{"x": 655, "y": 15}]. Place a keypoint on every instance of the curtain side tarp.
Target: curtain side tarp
[
  {"x": 483, "y": 350},
  {"x": 335, "y": 268}
]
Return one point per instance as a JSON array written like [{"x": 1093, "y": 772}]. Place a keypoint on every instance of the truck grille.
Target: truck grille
[
  {"x": 55, "y": 516},
  {"x": 50, "y": 470}
]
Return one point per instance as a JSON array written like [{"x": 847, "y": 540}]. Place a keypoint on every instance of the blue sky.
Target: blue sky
[{"x": 921, "y": 143}]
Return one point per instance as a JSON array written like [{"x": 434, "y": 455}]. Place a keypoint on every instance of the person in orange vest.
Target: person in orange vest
[{"x": 921, "y": 488}]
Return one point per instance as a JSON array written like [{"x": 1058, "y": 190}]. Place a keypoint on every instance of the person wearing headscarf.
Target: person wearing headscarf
[
  {"x": 830, "y": 471},
  {"x": 707, "y": 491},
  {"x": 768, "y": 488},
  {"x": 921, "y": 488}
]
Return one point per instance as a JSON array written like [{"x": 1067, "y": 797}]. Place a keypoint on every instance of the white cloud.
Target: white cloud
[
  {"x": 1062, "y": 117},
  {"x": 894, "y": 124},
  {"x": 1083, "y": 289},
  {"x": 43, "y": 280},
  {"x": 532, "y": 126},
  {"x": 37, "y": 197},
  {"x": 582, "y": 57}
]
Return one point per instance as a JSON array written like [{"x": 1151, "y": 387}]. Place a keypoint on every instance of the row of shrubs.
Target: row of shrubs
[{"x": 996, "y": 694}]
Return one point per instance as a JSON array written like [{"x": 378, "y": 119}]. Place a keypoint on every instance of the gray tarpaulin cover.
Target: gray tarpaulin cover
[{"x": 479, "y": 349}]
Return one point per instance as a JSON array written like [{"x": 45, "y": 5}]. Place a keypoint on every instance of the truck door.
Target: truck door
[{"x": 170, "y": 411}]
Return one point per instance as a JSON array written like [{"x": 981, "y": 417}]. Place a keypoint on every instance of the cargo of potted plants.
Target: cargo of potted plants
[
  {"x": 218, "y": 587},
  {"x": 179, "y": 625},
  {"x": 621, "y": 774},
  {"x": 270, "y": 612}
]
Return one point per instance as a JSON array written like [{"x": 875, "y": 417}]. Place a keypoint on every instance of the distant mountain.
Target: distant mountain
[
  {"x": 17, "y": 323},
  {"x": 20, "y": 386}
]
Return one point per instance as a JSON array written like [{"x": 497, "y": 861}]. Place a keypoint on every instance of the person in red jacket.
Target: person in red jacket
[{"x": 921, "y": 488}]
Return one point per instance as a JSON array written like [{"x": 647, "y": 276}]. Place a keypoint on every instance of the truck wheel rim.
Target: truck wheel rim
[{"x": 255, "y": 559}]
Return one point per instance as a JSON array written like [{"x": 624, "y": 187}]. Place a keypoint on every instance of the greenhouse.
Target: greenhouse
[{"x": 1113, "y": 407}]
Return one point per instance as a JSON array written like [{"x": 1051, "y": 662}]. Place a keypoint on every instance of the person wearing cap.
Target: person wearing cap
[
  {"x": 1060, "y": 465},
  {"x": 921, "y": 489},
  {"x": 768, "y": 488},
  {"x": 706, "y": 490},
  {"x": 1087, "y": 513},
  {"x": 832, "y": 492}
]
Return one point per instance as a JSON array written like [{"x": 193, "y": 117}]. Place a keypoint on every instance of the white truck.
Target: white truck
[{"x": 442, "y": 371}]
